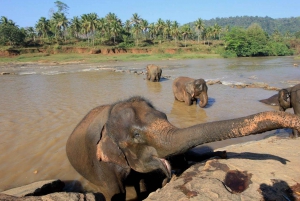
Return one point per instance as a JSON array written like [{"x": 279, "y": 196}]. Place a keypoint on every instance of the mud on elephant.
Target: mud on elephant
[
  {"x": 111, "y": 140},
  {"x": 153, "y": 73},
  {"x": 188, "y": 90}
]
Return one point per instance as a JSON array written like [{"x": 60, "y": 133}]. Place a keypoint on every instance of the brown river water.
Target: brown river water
[{"x": 40, "y": 105}]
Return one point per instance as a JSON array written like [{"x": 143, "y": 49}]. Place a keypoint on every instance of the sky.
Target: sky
[{"x": 26, "y": 13}]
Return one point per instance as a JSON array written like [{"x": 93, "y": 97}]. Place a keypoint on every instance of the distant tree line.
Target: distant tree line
[{"x": 241, "y": 36}]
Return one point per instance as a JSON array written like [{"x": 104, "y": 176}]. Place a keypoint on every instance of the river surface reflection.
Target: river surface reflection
[{"x": 40, "y": 105}]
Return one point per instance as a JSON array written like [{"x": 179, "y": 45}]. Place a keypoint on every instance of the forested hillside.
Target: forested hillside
[{"x": 270, "y": 25}]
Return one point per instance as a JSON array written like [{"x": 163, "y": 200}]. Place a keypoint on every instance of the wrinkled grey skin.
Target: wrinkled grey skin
[
  {"x": 153, "y": 73},
  {"x": 290, "y": 98},
  {"x": 188, "y": 90},
  {"x": 113, "y": 140}
]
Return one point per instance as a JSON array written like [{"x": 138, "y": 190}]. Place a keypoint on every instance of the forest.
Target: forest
[{"x": 230, "y": 37}]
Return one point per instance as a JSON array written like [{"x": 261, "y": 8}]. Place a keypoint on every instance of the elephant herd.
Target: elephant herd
[{"x": 118, "y": 144}]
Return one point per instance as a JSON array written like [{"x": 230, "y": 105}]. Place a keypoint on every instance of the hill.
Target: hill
[{"x": 283, "y": 25}]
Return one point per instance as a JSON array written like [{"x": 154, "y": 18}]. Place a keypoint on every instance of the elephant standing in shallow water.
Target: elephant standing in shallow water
[
  {"x": 188, "y": 90},
  {"x": 290, "y": 98},
  {"x": 111, "y": 140},
  {"x": 285, "y": 99},
  {"x": 153, "y": 73}
]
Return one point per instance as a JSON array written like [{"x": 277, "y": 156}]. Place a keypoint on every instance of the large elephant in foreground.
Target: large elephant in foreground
[
  {"x": 112, "y": 140},
  {"x": 188, "y": 90},
  {"x": 153, "y": 73},
  {"x": 290, "y": 98}
]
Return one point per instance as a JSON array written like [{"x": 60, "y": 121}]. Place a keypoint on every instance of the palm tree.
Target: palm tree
[
  {"x": 75, "y": 26},
  {"x": 160, "y": 24},
  {"x": 167, "y": 28},
  {"x": 89, "y": 24},
  {"x": 136, "y": 29},
  {"x": 30, "y": 32},
  {"x": 185, "y": 31},
  {"x": 199, "y": 26},
  {"x": 144, "y": 26},
  {"x": 217, "y": 30},
  {"x": 115, "y": 29},
  {"x": 152, "y": 30},
  {"x": 175, "y": 30},
  {"x": 135, "y": 19},
  {"x": 60, "y": 23},
  {"x": 4, "y": 20},
  {"x": 43, "y": 26}
]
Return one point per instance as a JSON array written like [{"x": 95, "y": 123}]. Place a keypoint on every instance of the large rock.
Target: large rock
[{"x": 262, "y": 170}]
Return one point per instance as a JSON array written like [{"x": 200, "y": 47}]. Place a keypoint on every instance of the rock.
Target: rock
[
  {"x": 37, "y": 188},
  {"x": 211, "y": 82},
  {"x": 63, "y": 196},
  {"x": 258, "y": 170},
  {"x": 4, "y": 73}
]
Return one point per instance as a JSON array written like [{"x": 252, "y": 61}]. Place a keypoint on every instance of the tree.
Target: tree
[
  {"x": 175, "y": 30},
  {"x": 75, "y": 26},
  {"x": 11, "y": 34},
  {"x": 43, "y": 26},
  {"x": 61, "y": 7},
  {"x": 89, "y": 24},
  {"x": 185, "y": 31},
  {"x": 217, "y": 30},
  {"x": 30, "y": 32},
  {"x": 144, "y": 27},
  {"x": 60, "y": 23},
  {"x": 199, "y": 26},
  {"x": 257, "y": 40}
]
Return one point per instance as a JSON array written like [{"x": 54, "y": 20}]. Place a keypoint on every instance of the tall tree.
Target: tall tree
[
  {"x": 175, "y": 30},
  {"x": 185, "y": 31},
  {"x": 75, "y": 26},
  {"x": 61, "y": 7},
  {"x": 43, "y": 26},
  {"x": 199, "y": 26}
]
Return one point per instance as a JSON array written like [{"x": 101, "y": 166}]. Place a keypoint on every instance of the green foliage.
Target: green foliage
[
  {"x": 278, "y": 49},
  {"x": 254, "y": 42},
  {"x": 11, "y": 34}
]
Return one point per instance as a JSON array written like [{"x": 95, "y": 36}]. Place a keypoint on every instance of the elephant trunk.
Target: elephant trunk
[
  {"x": 178, "y": 141},
  {"x": 203, "y": 99}
]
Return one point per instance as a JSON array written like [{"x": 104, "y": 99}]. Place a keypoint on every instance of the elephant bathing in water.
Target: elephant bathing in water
[
  {"x": 153, "y": 73},
  {"x": 285, "y": 99},
  {"x": 188, "y": 90},
  {"x": 131, "y": 135},
  {"x": 290, "y": 98}
]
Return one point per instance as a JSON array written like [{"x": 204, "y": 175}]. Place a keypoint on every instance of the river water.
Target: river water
[{"x": 40, "y": 105}]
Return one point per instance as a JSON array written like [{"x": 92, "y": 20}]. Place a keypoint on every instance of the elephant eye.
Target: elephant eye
[{"x": 136, "y": 134}]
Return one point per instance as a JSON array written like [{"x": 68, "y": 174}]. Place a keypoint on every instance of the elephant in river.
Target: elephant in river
[
  {"x": 153, "y": 73},
  {"x": 131, "y": 135},
  {"x": 286, "y": 98},
  {"x": 290, "y": 98},
  {"x": 188, "y": 90}
]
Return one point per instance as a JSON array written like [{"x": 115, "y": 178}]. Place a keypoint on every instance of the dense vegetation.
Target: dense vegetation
[{"x": 238, "y": 36}]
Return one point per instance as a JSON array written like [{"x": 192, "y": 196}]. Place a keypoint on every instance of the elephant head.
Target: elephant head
[
  {"x": 198, "y": 89},
  {"x": 113, "y": 139},
  {"x": 284, "y": 99}
]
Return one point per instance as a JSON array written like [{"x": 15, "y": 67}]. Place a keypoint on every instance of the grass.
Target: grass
[{"x": 96, "y": 58}]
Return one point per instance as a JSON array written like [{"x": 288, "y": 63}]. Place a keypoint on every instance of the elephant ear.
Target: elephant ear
[
  {"x": 109, "y": 151},
  {"x": 189, "y": 86},
  {"x": 284, "y": 99}
]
